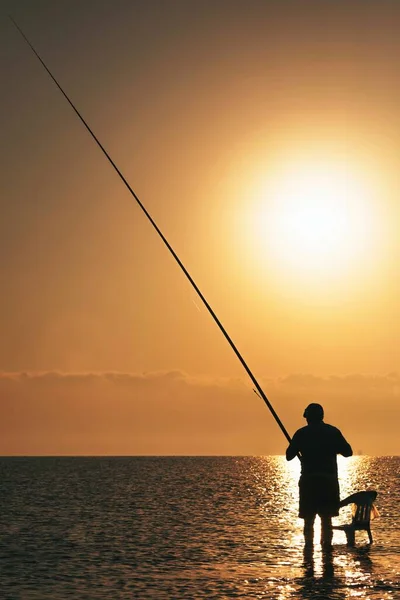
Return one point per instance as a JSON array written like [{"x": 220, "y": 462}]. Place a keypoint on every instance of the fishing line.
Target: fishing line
[{"x": 206, "y": 304}]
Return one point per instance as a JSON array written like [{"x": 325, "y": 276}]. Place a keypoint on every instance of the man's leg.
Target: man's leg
[
  {"x": 326, "y": 531},
  {"x": 309, "y": 530}
]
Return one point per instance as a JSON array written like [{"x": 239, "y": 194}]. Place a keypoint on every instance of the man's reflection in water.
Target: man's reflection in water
[
  {"x": 354, "y": 565},
  {"x": 327, "y": 563},
  {"x": 323, "y": 586}
]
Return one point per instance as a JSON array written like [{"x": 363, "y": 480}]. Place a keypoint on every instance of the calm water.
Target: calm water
[{"x": 215, "y": 528}]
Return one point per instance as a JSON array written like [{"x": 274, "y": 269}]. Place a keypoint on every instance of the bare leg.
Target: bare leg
[
  {"x": 309, "y": 530},
  {"x": 326, "y": 531}
]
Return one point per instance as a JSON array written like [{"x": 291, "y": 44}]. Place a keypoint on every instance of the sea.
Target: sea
[{"x": 176, "y": 528}]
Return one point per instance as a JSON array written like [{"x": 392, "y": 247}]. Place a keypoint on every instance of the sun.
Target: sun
[{"x": 314, "y": 219}]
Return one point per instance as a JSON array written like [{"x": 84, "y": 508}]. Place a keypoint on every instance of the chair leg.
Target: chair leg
[
  {"x": 370, "y": 535},
  {"x": 351, "y": 536}
]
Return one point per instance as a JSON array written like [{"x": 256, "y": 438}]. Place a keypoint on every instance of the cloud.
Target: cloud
[
  {"x": 173, "y": 412},
  {"x": 348, "y": 383}
]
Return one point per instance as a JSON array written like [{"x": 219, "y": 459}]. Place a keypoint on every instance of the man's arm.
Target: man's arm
[
  {"x": 344, "y": 447},
  {"x": 293, "y": 448}
]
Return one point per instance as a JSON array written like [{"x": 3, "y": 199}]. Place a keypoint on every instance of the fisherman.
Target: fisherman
[{"x": 317, "y": 445}]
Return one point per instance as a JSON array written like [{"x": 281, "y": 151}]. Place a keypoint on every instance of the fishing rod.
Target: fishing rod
[{"x": 185, "y": 271}]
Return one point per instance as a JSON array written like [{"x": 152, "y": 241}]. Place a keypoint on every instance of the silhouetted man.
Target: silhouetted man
[{"x": 318, "y": 445}]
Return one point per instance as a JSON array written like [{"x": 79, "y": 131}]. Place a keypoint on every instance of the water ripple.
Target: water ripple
[{"x": 184, "y": 528}]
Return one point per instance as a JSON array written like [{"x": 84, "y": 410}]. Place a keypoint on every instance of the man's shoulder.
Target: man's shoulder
[
  {"x": 301, "y": 431},
  {"x": 331, "y": 428}
]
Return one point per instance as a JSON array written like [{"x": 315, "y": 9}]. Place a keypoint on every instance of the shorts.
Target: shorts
[{"x": 319, "y": 495}]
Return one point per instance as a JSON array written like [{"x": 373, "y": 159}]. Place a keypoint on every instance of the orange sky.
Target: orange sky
[{"x": 205, "y": 107}]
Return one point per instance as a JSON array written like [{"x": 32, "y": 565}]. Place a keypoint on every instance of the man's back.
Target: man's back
[{"x": 318, "y": 444}]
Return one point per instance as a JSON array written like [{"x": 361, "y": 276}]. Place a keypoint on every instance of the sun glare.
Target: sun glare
[{"x": 315, "y": 220}]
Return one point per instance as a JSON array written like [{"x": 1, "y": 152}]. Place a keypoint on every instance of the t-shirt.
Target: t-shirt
[{"x": 318, "y": 445}]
